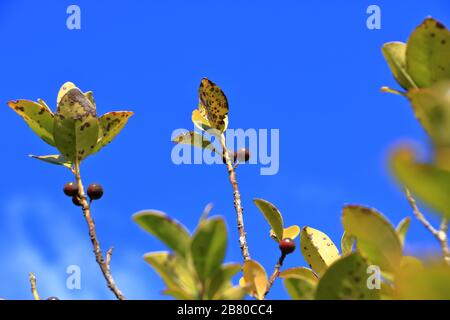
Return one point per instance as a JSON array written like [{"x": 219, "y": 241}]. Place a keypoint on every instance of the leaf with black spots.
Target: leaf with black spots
[
  {"x": 76, "y": 127},
  {"x": 213, "y": 105},
  {"x": 111, "y": 124},
  {"x": 38, "y": 117},
  {"x": 428, "y": 52}
]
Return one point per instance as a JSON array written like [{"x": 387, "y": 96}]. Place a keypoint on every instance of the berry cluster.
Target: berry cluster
[{"x": 95, "y": 192}]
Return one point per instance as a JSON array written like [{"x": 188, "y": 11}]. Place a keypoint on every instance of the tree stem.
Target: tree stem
[
  {"x": 237, "y": 201},
  {"x": 34, "y": 291},
  {"x": 440, "y": 235},
  {"x": 275, "y": 274},
  {"x": 104, "y": 265}
]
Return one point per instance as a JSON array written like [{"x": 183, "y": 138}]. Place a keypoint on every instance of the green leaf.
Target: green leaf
[
  {"x": 54, "y": 159},
  {"x": 402, "y": 229},
  {"x": 194, "y": 139},
  {"x": 346, "y": 279},
  {"x": 427, "y": 53},
  {"x": 317, "y": 249},
  {"x": 300, "y": 288},
  {"x": 375, "y": 236},
  {"x": 111, "y": 124},
  {"x": 347, "y": 243},
  {"x": 395, "y": 55},
  {"x": 38, "y": 117},
  {"x": 428, "y": 183},
  {"x": 208, "y": 247},
  {"x": 298, "y": 272},
  {"x": 272, "y": 215},
  {"x": 255, "y": 278},
  {"x": 432, "y": 109},
  {"x": 431, "y": 283},
  {"x": 213, "y": 105},
  {"x": 175, "y": 272},
  {"x": 172, "y": 233},
  {"x": 222, "y": 280},
  {"x": 76, "y": 128}
]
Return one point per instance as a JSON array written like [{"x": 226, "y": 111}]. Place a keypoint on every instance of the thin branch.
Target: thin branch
[
  {"x": 441, "y": 234},
  {"x": 34, "y": 291},
  {"x": 237, "y": 201},
  {"x": 104, "y": 265},
  {"x": 275, "y": 274}
]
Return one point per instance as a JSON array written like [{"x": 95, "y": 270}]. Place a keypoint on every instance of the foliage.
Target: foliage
[
  {"x": 371, "y": 263},
  {"x": 75, "y": 130},
  {"x": 194, "y": 268}
]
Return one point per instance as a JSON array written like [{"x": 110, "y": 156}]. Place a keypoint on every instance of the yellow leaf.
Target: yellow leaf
[
  {"x": 291, "y": 232},
  {"x": 213, "y": 104},
  {"x": 63, "y": 90},
  {"x": 256, "y": 278},
  {"x": 317, "y": 249}
]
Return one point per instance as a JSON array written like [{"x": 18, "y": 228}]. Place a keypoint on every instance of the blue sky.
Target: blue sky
[{"x": 312, "y": 70}]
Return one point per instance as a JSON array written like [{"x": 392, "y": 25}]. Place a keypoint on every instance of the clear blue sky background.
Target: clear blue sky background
[{"x": 311, "y": 69}]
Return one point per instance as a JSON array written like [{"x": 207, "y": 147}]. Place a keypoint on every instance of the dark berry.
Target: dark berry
[
  {"x": 243, "y": 155},
  {"x": 52, "y": 298},
  {"x": 71, "y": 189},
  {"x": 95, "y": 191},
  {"x": 76, "y": 201},
  {"x": 232, "y": 156},
  {"x": 287, "y": 246}
]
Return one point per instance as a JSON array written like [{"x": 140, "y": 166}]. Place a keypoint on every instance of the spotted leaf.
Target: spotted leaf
[
  {"x": 428, "y": 52},
  {"x": 213, "y": 104},
  {"x": 346, "y": 279},
  {"x": 375, "y": 237},
  {"x": 111, "y": 124},
  {"x": 194, "y": 139},
  {"x": 76, "y": 127},
  {"x": 317, "y": 249},
  {"x": 38, "y": 117}
]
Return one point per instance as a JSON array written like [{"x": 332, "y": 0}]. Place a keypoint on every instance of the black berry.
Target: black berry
[
  {"x": 287, "y": 246},
  {"x": 232, "y": 155},
  {"x": 76, "y": 201},
  {"x": 95, "y": 191},
  {"x": 52, "y": 298},
  {"x": 71, "y": 189},
  {"x": 243, "y": 155}
]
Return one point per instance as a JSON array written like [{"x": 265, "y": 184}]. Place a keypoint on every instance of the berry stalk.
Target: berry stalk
[{"x": 104, "y": 265}]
